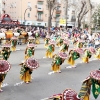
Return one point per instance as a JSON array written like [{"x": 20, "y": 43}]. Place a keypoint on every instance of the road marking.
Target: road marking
[
  {"x": 51, "y": 73},
  {"x": 20, "y": 83},
  {"x": 69, "y": 67},
  {"x": 18, "y": 49},
  {"x": 4, "y": 85},
  {"x": 45, "y": 99}
]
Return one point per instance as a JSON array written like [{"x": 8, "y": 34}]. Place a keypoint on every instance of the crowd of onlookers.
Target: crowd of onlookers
[{"x": 92, "y": 39}]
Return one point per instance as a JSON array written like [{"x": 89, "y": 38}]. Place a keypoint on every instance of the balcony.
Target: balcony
[
  {"x": 40, "y": 9},
  {"x": 40, "y": 20},
  {"x": 58, "y": 11},
  {"x": 57, "y": 15},
  {"x": 40, "y": 0}
]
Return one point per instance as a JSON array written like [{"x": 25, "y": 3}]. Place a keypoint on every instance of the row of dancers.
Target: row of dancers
[{"x": 58, "y": 58}]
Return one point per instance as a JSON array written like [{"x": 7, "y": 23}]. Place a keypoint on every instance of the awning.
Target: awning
[{"x": 70, "y": 25}]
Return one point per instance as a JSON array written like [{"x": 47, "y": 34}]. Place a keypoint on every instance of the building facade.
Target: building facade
[{"x": 38, "y": 14}]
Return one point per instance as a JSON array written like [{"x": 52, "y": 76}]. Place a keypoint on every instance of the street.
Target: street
[{"x": 43, "y": 85}]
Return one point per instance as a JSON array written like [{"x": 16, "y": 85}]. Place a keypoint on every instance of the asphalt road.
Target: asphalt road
[{"x": 43, "y": 85}]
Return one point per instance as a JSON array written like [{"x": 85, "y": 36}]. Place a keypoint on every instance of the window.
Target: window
[
  {"x": 40, "y": 16},
  {"x": 29, "y": 4},
  {"x": 58, "y": 7},
  {"x": 73, "y": 18},
  {"x": 39, "y": 24},
  {"x": 29, "y": 15},
  {"x": 40, "y": 3},
  {"x": 59, "y": 1}
]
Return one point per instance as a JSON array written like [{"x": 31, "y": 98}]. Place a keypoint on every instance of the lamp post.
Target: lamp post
[{"x": 25, "y": 13}]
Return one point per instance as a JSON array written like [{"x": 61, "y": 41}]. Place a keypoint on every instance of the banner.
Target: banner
[{"x": 62, "y": 22}]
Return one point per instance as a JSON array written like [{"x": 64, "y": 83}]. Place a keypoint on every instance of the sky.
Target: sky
[{"x": 96, "y": 1}]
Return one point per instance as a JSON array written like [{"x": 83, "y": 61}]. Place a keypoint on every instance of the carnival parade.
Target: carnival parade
[
  {"x": 61, "y": 53},
  {"x": 49, "y": 49}
]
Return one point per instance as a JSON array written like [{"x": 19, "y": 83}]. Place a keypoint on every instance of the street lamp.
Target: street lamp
[{"x": 25, "y": 13}]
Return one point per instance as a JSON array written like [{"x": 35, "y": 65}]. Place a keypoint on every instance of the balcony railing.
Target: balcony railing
[
  {"x": 39, "y": 19},
  {"x": 58, "y": 11},
  {"x": 40, "y": 0},
  {"x": 40, "y": 9}
]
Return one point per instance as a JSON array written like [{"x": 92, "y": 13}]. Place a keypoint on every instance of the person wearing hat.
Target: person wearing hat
[
  {"x": 25, "y": 73},
  {"x": 2, "y": 76},
  {"x": 74, "y": 41},
  {"x": 50, "y": 50},
  {"x": 31, "y": 40},
  {"x": 60, "y": 41},
  {"x": 84, "y": 93},
  {"x": 46, "y": 41},
  {"x": 73, "y": 55},
  {"x": 90, "y": 84},
  {"x": 64, "y": 47},
  {"x": 13, "y": 43},
  {"x": 87, "y": 55},
  {"x": 6, "y": 52},
  {"x": 97, "y": 55},
  {"x": 58, "y": 60},
  {"x": 29, "y": 52},
  {"x": 37, "y": 41},
  {"x": 3, "y": 71},
  {"x": 79, "y": 44}
]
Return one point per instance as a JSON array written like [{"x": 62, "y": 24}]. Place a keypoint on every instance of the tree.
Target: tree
[
  {"x": 83, "y": 11},
  {"x": 96, "y": 17},
  {"x": 89, "y": 7},
  {"x": 66, "y": 11},
  {"x": 51, "y": 5}
]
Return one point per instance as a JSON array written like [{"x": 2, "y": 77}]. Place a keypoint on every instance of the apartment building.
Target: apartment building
[{"x": 37, "y": 15}]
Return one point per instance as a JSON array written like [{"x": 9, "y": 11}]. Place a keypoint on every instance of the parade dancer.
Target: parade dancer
[
  {"x": 58, "y": 60},
  {"x": 37, "y": 41},
  {"x": 73, "y": 55},
  {"x": 4, "y": 68},
  {"x": 74, "y": 41},
  {"x": 31, "y": 40},
  {"x": 13, "y": 43},
  {"x": 80, "y": 44},
  {"x": 6, "y": 51},
  {"x": 67, "y": 94},
  {"x": 97, "y": 54},
  {"x": 27, "y": 69},
  {"x": 50, "y": 50},
  {"x": 46, "y": 41},
  {"x": 65, "y": 46},
  {"x": 60, "y": 41},
  {"x": 87, "y": 55},
  {"x": 29, "y": 52},
  {"x": 91, "y": 83}
]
